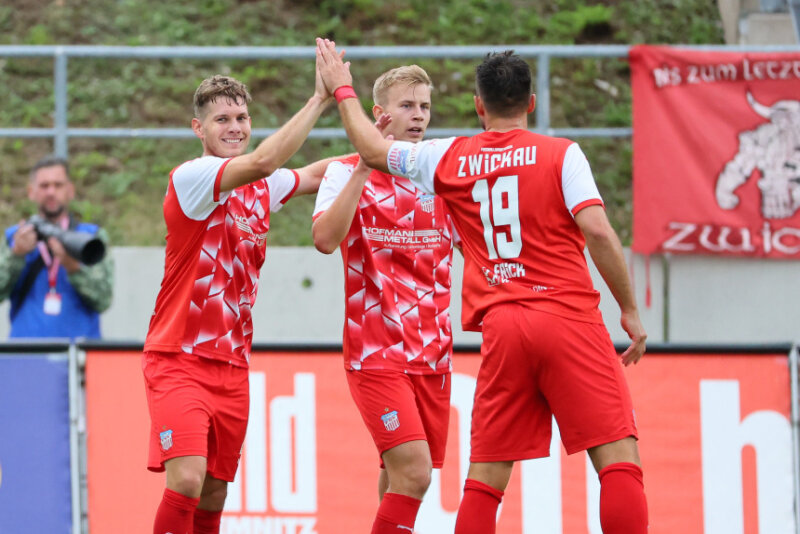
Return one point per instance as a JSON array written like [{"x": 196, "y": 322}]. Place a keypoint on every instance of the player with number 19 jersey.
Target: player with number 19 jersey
[{"x": 513, "y": 196}]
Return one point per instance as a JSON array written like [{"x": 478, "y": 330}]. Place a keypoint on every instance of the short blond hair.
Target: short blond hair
[
  {"x": 409, "y": 75},
  {"x": 219, "y": 86}
]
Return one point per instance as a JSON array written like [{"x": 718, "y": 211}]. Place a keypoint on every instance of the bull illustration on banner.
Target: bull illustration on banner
[{"x": 774, "y": 149}]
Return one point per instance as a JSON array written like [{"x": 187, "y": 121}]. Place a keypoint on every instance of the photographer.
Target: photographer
[{"x": 52, "y": 293}]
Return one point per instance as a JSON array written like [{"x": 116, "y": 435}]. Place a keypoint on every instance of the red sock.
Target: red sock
[
  {"x": 477, "y": 513},
  {"x": 175, "y": 513},
  {"x": 206, "y": 521},
  {"x": 396, "y": 514},
  {"x": 623, "y": 506}
]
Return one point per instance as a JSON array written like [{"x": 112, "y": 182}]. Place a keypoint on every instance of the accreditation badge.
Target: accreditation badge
[{"x": 52, "y": 303}]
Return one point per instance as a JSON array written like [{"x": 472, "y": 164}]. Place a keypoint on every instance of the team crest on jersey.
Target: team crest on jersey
[
  {"x": 166, "y": 439},
  {"x": 391, "y": 421},
  {"x": 426, "y": 202}
]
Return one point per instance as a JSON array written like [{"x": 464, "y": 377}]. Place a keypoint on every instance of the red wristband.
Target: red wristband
[{"x": 344, "y": 92}]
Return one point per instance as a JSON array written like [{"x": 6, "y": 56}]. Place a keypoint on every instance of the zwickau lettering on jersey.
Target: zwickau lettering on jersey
[{"x": 495, "y": 158}]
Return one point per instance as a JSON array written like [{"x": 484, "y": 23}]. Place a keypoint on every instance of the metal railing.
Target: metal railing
[{"x": 61, "y": 132}]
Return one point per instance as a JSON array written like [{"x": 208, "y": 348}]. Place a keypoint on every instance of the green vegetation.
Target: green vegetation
[{"x": 121, "y": 182}]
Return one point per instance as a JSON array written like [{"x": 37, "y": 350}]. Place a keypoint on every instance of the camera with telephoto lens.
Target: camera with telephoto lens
[{"x": 84, "y": 247}]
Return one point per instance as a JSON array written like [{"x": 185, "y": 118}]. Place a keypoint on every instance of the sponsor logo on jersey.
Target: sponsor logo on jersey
[
  {"x": 243, "y": 225},
  {"x": 391, "y": 421},
  {"x": 166, "y": 440},
  {"x": 397, "y": 238},
  {"x": 504, "y": 272}
]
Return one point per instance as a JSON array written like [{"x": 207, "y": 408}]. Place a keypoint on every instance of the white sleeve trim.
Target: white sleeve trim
[
  {"x": 336, "y": 176},
  {"x": 281, "y": 184},
  {"x": 577, "y": 181},
  {"x": 194, "y": 183},
  {"x": 418, "y": 161}
]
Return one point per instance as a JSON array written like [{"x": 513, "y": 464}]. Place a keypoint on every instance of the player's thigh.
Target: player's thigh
[
  {"x": 180, "y": 412},
  {"x": 386, "y": 402},
  {"x": 585, "y": 386},
  {"x": 229, "y": 422},
  {"x": 510, "y": 418},
  {"x": 432, "y": 393}
]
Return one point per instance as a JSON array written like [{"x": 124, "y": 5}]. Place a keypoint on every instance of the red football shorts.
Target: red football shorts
[
  {"x": 198, "y": 407},
  {"x": 398, "y": 408},
  {"x": 535, "y": 366}
]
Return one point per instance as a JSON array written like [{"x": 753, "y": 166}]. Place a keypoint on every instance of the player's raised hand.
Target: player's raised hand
[
  {"x": 382, "y": 123},
  {"x": 633, "y": 326},
  {"x": 331, "y": 68}
]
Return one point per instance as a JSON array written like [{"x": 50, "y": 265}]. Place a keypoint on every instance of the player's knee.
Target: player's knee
[
  {"x": 417, "y": 478},
  {"x": 187, "y": 482},
  {"x": 213, "y": 497}
]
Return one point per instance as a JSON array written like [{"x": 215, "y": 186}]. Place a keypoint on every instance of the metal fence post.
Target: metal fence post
[
  {"x": 60, "y": 141},
  {"x": 543, "y": 93},
  {"x": 795, "y": 396},
  {"x": 75, "y": 424}
]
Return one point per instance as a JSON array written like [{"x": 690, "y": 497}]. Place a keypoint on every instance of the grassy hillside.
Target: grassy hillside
[{"x": 121, "y": 181}]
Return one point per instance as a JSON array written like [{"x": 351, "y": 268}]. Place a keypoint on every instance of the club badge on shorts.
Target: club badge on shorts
[
  {"x": 166, "y": 439},
  {"x": 391, "y": 421}
]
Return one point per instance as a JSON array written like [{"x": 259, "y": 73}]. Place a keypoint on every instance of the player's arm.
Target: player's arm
[
  {"x": 332, "y": 225},
  {"x": 311, "y": 176},
  {"x": 367, "y": 139},
  {"x": 276, "y": 149},
  {"x": 606, "y": 251}
]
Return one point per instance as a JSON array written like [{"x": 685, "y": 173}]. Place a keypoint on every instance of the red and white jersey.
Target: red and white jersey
[
  {"x": 513, "y": 197},
  {"x": 397, "y": 257},
  {"x": 216, "y": 243}
]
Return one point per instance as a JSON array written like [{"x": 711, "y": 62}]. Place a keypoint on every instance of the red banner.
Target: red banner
[
  {"x": 716, "y": 152},
  {"x": 715, "y": 434}
]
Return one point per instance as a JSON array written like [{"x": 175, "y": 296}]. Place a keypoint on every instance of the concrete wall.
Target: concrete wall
[
  {"x": 757, "y": 22},
  {"x": 703, "y": 299}
]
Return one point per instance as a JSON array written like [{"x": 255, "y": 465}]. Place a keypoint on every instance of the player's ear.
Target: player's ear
[
  {"x": 377, "y": 111},
  {"x": 479, "y": 108},
  {"x": 197, "y": 127},
  {"x": 532, "y": 103}
]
